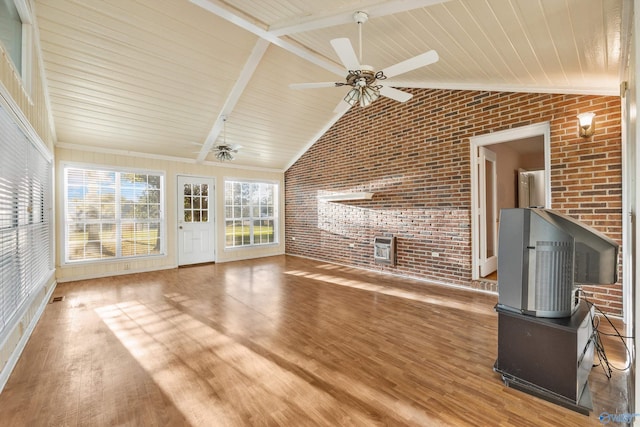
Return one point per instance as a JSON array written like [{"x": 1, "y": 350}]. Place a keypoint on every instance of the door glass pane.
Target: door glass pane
[{"x": 490, "y": 220}]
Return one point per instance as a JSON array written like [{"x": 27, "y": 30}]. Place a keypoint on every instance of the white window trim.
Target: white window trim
[{"x": 62, "y": 229}]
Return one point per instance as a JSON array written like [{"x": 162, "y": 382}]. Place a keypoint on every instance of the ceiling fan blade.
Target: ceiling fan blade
[
  {"x": 411, "y": 64},
  {"x": 312, "y": 85},
  {"x": 345, "y": 52},
  {"x": 342, "y": 107},
  {"x": 396, "y": 94}
]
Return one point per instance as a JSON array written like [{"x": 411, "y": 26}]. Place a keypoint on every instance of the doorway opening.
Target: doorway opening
[{"x": 509, "y": 169}]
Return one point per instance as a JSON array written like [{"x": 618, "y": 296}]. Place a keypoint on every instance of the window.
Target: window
[
  {"x": 16, "y": 37},
  {"x": 112, "y": 214},
  {"x": 11, "y": 32},
  {"x": 26, "y": 243},
  {"x": 250, "y": 213}
]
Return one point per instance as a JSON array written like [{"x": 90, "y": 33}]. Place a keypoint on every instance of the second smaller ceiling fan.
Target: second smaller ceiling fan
[
  {"x": 223, "y": 151},
  {"x": 367, "y": 84}
]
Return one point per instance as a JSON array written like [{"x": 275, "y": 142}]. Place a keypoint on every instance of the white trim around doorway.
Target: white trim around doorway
[{"x": 538, "y": 129}]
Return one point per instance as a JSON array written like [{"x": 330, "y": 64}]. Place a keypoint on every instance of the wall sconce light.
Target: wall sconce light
[{"x": 587, "y": 125}]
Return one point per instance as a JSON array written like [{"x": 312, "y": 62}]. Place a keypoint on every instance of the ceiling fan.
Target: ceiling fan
[
  {"x": 367, "y": 84},
  {"x": 223, "y": 151}
]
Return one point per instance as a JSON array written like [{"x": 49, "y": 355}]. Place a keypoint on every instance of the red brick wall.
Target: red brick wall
[{"x": 415, "y": 158}]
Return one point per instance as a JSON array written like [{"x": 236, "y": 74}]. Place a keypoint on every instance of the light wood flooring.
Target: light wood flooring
[{"x": 275, "y": 341}]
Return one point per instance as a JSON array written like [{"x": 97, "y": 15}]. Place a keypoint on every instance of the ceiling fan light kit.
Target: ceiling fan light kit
[
  {"x": 363, "y": 88},
  {"x": 224, "y": 155},
  {"x": 224, "y": 151},
  {"x": 362, "y": 95},
  {"x": 365, "y": 82}
]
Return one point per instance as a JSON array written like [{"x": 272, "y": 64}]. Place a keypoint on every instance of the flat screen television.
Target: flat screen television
[{"x": 543, "y": 255}]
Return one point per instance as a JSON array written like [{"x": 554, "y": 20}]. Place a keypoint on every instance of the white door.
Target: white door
[
  {"x": 523, "y": 189},
  {"x": 488, "y": 207},
  {"x": 196, "y": 238}
]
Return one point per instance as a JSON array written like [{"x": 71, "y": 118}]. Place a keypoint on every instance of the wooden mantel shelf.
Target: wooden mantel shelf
[{"x": 340, "y": 197}]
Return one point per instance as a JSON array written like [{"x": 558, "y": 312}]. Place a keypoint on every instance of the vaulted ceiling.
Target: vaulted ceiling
[{"x": 157, "y": 77}]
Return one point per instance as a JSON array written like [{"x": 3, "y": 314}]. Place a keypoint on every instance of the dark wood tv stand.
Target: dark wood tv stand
[{"x": 549, "y": 358}]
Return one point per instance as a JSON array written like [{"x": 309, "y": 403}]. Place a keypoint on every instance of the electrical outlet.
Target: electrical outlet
[
  {"x": 127, "y": 266},
  {"x": 435, "y": 254},
  {"x": 352, "y": 245},
  {"x": 293, "y": 238}
]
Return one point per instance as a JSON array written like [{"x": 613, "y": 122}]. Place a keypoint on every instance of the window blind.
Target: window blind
[{"x": 26, "y": 243}]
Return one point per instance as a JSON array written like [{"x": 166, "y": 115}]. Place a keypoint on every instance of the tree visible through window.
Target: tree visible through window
[
  {"x": 250, "y": 213},
  {"x": 111, "y": 214}
]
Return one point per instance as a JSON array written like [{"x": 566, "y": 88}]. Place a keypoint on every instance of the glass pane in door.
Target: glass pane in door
[{"x": 489, "y": 214}]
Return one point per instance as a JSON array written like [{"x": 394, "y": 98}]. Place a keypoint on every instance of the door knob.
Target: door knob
[{"x": 180, "y": 227}]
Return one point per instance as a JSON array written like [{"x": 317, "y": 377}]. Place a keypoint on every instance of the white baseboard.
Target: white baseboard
[
  {"x": 15, "y": 355},
  {"x": 113, "y": 273}
]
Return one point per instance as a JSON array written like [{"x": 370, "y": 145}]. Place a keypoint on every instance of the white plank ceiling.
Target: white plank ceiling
[{"x": 156, "y": 77}]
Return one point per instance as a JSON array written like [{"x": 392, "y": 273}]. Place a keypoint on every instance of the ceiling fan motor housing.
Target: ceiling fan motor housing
[{"x": 365, "y": 76}]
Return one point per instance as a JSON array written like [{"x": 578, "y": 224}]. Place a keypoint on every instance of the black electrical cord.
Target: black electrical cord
[{"x": 607, "y": 367}]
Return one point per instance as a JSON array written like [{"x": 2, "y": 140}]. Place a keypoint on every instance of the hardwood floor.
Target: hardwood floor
[{"x": 274, "y": 341}]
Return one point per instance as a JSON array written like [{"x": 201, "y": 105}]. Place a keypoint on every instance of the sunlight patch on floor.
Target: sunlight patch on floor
[
  {"x": 214, "y": 380},
  {"x": 382, "y": 400},
  {"x": 394, "y": 292}
]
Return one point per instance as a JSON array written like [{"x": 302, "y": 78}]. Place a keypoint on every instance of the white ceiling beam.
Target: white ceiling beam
[
  {"x": 315, "y": 22},
  {"x": 236, "y": 92},
  {"x": 219, "y": 9}
]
